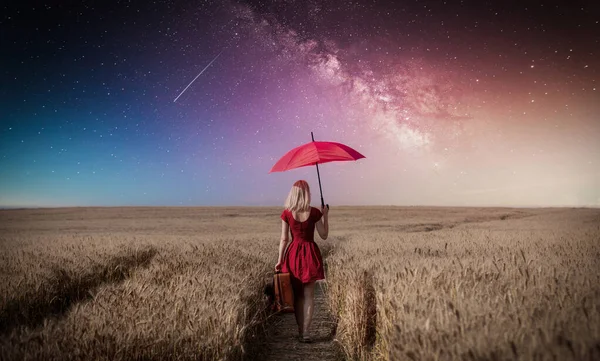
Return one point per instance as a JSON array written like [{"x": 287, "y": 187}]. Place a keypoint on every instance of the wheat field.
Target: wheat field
[
  {"x": 403, "y": 283},
  {"x": 468, "y": 284}
]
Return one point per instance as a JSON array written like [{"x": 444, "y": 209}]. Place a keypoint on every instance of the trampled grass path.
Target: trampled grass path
[{"x": 282, "y": 342}]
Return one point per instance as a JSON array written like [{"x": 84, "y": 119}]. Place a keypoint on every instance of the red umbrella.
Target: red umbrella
[{"x": 314, "y": 153}]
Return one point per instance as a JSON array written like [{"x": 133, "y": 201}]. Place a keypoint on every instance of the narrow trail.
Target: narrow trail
[{"x": 282, "y": 342}]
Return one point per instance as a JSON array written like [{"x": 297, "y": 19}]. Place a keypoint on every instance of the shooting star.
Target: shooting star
[{"x": 206, "y": 67}]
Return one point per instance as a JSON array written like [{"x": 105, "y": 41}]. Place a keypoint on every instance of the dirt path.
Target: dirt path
[{"x": 282, "y": 337}]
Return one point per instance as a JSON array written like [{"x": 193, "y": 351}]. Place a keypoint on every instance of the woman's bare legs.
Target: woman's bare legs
[
  {"x": 308, "y": 305},
  {"x": 299, "y": 311}
]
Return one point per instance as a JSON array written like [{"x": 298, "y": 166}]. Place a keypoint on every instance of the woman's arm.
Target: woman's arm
[
  {"x": 323, "y": 224},
  {"x": 282, "y": 243}
]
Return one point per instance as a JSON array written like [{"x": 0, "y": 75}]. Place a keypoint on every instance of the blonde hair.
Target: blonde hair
[{"x": 298, "y": 199}]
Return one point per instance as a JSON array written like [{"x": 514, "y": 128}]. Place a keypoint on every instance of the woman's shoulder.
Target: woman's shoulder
[
  {"x": 316, "y": 212},
  {"x": 284, "y": 214}
]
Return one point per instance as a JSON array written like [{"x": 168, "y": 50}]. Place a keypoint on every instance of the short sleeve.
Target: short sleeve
[
  {"x": 284, "y": 216},
  {"x": 317, "y": 214}
]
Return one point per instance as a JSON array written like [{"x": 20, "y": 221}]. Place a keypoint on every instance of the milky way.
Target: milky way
[
  {"x": 400, "y": 98},
  {"x": 452, "y": 103}
]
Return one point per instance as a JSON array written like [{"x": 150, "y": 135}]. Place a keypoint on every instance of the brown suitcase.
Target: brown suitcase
[{"x": 284, "y": 293}]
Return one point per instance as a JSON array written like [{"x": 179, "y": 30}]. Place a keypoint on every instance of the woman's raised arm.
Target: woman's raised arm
[{"x": 323, "y": 224}]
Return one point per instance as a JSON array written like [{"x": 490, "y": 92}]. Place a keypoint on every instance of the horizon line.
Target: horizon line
[{"x": 281, "y": 206}]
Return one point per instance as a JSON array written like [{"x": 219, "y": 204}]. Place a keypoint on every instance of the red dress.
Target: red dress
[{"x": 302, "y": 257}]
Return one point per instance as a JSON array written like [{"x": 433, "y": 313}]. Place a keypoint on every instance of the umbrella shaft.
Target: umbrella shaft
[
  {"x": 320, "y": 189},
  {"x": 318, "y": 175}
]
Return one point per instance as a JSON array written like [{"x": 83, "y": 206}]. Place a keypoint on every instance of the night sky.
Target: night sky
[{"x": 466, "y": 103}]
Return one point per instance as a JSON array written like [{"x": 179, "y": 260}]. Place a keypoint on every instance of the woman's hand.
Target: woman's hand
[
  {"x": 278, "y": 267},
  {"x": 325, "y": 210}
]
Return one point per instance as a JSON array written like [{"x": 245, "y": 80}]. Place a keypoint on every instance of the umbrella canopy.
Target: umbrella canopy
[{"x": 315, "y": 153}]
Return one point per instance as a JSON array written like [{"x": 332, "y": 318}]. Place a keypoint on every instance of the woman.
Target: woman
[{"x": 302, "y": 258}]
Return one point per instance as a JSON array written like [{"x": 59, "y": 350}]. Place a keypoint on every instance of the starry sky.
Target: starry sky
[{"x": 453, "y": 103}]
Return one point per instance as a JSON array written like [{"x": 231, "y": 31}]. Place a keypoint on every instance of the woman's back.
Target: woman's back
[{"x": 302, "y": 230}]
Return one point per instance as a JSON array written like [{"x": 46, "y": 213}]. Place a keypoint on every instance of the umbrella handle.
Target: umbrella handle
[{"x": 323, "y": 204}]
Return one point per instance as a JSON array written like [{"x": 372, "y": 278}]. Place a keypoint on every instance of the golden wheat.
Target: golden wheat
[
  {"x": 480, "y": 289},
  {"x": 403, "y": 283},
  {"x": 134, "y": 283}
]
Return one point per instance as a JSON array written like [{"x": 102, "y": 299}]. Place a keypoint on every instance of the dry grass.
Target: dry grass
[
  {"x": 114, "y": 284},
  {"x": 404, "y": 283},
  {"x": 504, "y": 289}
]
